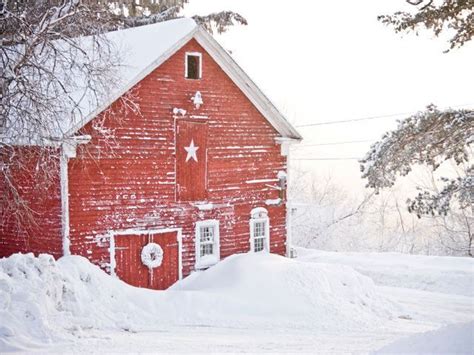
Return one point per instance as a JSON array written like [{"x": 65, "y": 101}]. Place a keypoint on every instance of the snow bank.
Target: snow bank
[
  {"x": 44, "y": 301},
  {"x": 451, "y": 339},
  {"x": 284, "y": 290},
  {"x": 450, "y": 275}
]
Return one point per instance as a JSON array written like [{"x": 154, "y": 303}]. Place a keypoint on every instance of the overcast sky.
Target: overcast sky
[{"x": 325, "y": 61}]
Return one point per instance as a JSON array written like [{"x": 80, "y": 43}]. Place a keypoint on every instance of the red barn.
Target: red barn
[{"x": 197, "y": 175}]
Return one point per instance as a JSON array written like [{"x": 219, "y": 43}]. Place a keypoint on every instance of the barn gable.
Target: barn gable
[{"x": 185, "y": 29}]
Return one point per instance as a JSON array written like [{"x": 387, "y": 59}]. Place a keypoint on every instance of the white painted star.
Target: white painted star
[{"x": 191, "y": 151}]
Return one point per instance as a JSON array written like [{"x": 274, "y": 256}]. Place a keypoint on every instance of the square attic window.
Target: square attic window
[{"x": 193, "y": 65}]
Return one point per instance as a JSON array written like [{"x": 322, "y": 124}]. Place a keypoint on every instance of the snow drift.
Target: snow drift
[
  {"x": 268, "y": 286},
  {"x": 44, "y": 301}
]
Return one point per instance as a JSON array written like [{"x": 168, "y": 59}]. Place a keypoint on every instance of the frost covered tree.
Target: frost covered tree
[
  {"x": 455, "y": 16},
  {"x": 42, "y": 56},
  {"x": 432, "y": 137},
  {"x": 429, "y": 138},
  {"x": 47, "y": 68},
  {"x": 141, "y": 12},
  {"x": 324, "y": 215}
]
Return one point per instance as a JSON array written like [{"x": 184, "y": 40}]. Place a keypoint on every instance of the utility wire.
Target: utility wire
[
  {"x": 325, "y": 158},
  {"x": 352, "y": 120},
  {"x": 367, "y": 118},
  {"x": 346, "y": 142},
  {"x": 331, "y": 143}
]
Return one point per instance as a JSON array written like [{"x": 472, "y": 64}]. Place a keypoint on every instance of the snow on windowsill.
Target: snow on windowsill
[
  {"x": 273, "y": 202},
  {"x": 204, "y": 206}
]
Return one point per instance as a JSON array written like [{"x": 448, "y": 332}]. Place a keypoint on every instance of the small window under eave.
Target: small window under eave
[{"x": 193, "y": 65}]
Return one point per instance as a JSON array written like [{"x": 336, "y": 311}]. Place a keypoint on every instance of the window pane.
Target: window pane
[
  {"x": 207, "y": 249},
  {"x": 259, "y": 229},
  {"x": 258, "y": 244},
  {"x": 193, "y": 67},
  {"x": 206, "y": 234}
]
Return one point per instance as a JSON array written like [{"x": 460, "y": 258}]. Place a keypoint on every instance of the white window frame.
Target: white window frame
[
  {"x": 193, "y": 54},
  {"x": 258, "y": 215},
  {"x": 200, "y": 264}
]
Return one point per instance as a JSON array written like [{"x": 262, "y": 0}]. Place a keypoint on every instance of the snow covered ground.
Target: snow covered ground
[
  {"x": 446, "y": 340},
  {"x": 321, "y": 302},
  {"x": 444, "y": 274}
]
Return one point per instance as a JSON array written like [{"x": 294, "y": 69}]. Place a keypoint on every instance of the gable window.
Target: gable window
[
  {"x": 259, "y": 230},
  {"x": 193, "y": 65},
  {"x": 207, "y": 243}
]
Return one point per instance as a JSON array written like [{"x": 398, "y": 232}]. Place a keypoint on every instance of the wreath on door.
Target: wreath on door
[{"x": 152, "y": 255}]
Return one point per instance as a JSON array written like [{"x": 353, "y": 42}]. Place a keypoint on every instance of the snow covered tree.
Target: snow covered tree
[
  {"x": 456, "y": 16},
  {"x": 429, "y": 138},
  {"x": 432, "y": 137},
  {"x": 134, "y": 13},
  {"x": 47, "y": 69},
  {"x": 42, "y": 57}
]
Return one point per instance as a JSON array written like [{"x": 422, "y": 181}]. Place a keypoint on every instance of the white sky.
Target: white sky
[{"x": 326, "y": 61}]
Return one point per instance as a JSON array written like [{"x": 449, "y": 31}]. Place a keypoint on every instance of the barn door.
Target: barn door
[
  {"x": 130, "y": 268},
  {"x": 191, "y": 160}
]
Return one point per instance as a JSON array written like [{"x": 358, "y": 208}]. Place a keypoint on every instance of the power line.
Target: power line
[
  {"x": 367, "y": 118},
  {"x": 325, "y": 158},
  {"x": 353, "y": 120},
  {"x": 332, "y": 143}
]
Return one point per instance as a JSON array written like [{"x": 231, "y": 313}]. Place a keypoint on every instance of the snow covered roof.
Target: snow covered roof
[{"x": 139, "y": 59}]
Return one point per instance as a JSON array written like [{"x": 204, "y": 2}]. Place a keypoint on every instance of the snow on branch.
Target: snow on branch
[
  {"x": 220, "y": 21},
  {"x": 452, "y": 16},
  {"x": 427, "y": 138},
  {"x": 54, "y": 63}
]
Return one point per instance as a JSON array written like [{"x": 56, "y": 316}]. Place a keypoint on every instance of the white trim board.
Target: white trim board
[{"x": 64, "y": 194}]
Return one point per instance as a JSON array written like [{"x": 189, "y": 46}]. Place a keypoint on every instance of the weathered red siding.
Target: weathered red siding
[
  {"x": 38, "y": 230},
  {"x": 130, "y": 182}
]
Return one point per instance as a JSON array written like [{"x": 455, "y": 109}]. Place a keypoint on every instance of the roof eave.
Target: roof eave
[{"x": 248, "y": 87}]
